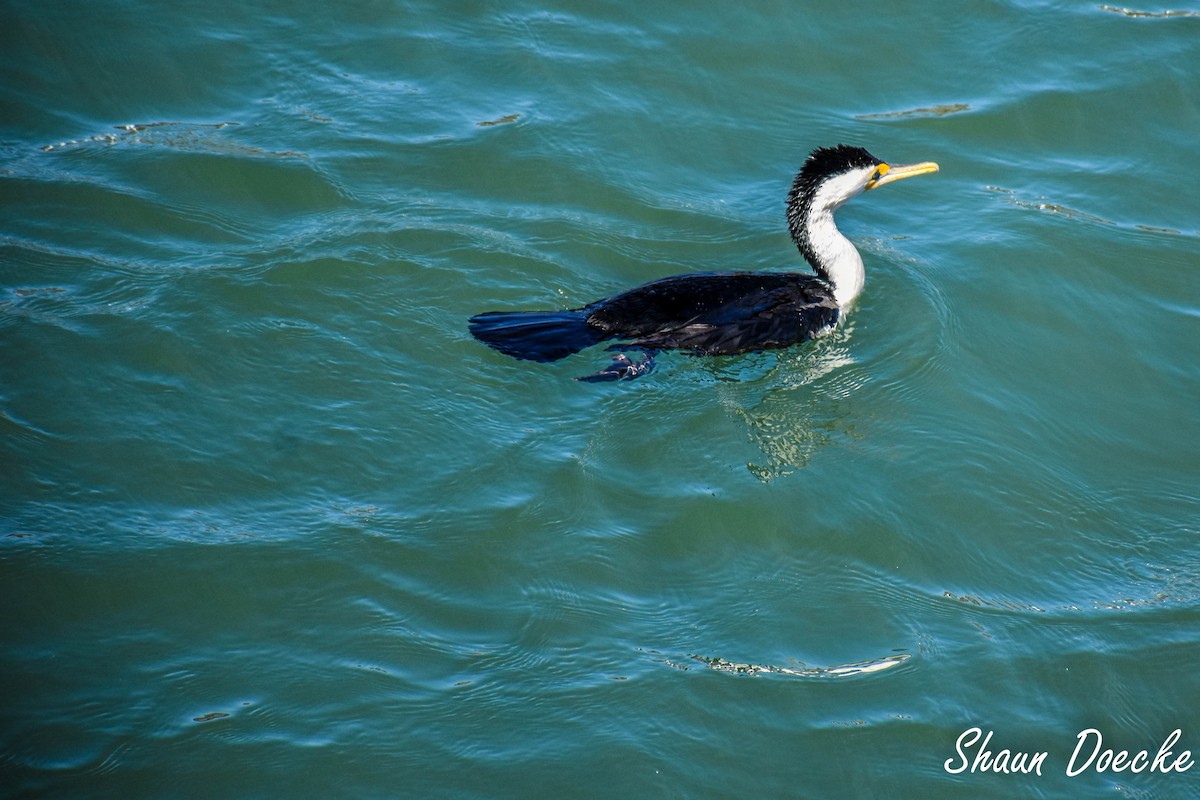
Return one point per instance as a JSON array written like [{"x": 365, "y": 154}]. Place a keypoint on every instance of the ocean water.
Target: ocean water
[{"x": 273, "y": 524}]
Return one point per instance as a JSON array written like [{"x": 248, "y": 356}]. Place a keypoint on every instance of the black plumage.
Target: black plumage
[
  {"x": 719, "y": 313},
  {"x": 715, "y": 313}
]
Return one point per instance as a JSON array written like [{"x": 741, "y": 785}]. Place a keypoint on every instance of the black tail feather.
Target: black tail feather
[{"x": 536, "y": 335}]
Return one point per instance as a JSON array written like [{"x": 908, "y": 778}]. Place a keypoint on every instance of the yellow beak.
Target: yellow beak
[{"x": 886, "y": 173}]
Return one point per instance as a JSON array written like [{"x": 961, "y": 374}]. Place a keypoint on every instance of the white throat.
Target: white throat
[{"x": 835, "y": 253}]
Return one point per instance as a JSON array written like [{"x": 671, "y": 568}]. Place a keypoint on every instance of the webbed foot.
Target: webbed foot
[{"x": 621, "y": 369}]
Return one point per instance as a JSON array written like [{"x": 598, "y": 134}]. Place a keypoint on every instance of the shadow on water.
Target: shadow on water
[{"x": 790, "y": 402}]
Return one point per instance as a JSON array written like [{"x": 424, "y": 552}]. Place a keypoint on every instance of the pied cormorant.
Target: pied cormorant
[{"x": 721, "y": 313}]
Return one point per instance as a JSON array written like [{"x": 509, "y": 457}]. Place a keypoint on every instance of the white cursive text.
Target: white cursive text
[
  {"x": 1105, "y": 759},
  {"x": 985, "y": 761},
  {"x": 974, "y": 754}
]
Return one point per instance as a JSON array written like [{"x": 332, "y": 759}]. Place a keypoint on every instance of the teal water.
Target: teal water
[{"x": 273, "y": 524}]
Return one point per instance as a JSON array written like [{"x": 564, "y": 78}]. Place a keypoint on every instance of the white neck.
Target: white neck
[
  {"x": 838, "y": 257},
  {"x": 834, "y": 252}
]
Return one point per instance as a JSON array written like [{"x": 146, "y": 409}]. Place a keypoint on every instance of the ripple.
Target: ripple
[
  {"x": 799, "y": 670},
  {"x": 932, "y": 111},
  {"x": 1046, "y": 206},
  {"x": 184, "y": 135},
  {"x": 1128, "y": 12}
]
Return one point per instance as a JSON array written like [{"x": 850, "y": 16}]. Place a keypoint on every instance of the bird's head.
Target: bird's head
[{"x": 832, "y": 175}]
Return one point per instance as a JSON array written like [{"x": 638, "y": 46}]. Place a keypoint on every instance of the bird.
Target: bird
[{"x": 720, "y": 313}]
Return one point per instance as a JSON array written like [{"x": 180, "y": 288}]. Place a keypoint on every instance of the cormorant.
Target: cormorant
[{"x": 721, "y": 313}]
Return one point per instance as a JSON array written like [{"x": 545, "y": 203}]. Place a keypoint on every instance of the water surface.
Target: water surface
[{"x": 273, "y": 523}]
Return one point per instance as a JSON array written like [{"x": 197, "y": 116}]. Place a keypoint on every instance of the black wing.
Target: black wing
[{"x": 719, "y": 313}]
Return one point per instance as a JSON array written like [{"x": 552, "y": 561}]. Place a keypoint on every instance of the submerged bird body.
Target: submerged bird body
[{"x": 720, "y": 313}]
